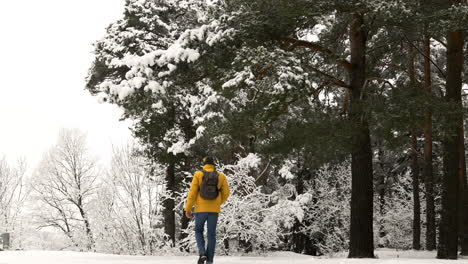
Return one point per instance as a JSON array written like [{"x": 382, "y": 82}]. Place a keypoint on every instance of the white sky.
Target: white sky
[{"x": 45, "y": 53}]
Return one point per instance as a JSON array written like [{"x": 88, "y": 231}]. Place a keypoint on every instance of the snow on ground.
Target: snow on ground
[{"x": 68, "y": 257}]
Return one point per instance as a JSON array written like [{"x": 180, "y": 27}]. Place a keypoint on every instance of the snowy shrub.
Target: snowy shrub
[
  {"x": 327, "y": 212},
  {"x": 246, "y": 219},
  {"x": 394, "y": 228},
  {"x": 13, "y": 194},
  {"x": 261, "y": 221},
  {"x": 128, "y": 211},
  {"x": 322, "y": 211}
]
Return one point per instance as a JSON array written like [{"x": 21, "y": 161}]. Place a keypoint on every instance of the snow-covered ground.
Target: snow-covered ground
[{"x": 67, "y": 257}]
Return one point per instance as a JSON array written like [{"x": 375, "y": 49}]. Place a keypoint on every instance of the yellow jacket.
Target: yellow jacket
[{"x": 202, "y": 205}]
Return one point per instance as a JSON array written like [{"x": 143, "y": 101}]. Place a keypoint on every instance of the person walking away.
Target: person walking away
[{"x": 208, "y": 191}]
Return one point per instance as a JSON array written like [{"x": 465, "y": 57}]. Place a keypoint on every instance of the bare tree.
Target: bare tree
[
  {"x": 131, "y": 204},
  {"x": 66, "y": 182},
  {"x": 13, "y": 193}
]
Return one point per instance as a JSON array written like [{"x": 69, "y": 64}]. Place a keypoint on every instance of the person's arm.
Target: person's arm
[
  {"x": 193, "y": 193},
  {"x": 224, "y": 190}
]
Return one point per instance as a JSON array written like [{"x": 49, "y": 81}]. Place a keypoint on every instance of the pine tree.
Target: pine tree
[
  {"x": 240, "y": 77},
  {"x": 160, "y": 123},
  {"x": 448, "y": 241},
  {"x": 428, "y": 161},
  {"x": 463, "y": 204}
]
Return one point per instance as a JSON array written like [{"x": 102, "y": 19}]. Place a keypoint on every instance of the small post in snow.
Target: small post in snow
[{"x": 5, "y": 238}]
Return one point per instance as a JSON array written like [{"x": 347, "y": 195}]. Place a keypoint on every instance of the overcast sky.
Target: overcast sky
[{"x": 45, "y": 53}]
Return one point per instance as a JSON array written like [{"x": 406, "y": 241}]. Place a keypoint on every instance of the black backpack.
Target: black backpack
[{"x": 209, "y": 186}]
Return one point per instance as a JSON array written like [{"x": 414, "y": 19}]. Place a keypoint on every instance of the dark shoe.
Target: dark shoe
[{"x": 202, "y": 259}]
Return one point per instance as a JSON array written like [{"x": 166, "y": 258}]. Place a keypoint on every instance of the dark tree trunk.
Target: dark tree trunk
[
  {"x": 184, "y": 221},
  {"x": 428, "y": 169},
  {"x": 448, "y": 239},
  {"x": 83, "y": 215},
  {"x": 300, "y": 242},
  {"x": 298, "y": 237},
  {"x": 361, "y": 243},
  {"x": 168, "y": 203},
  {"x": 414, "y": 160},
  {"x": 463, "y": 205},
  {"x": 417, "y": 203},
  {"x": 381, "y": 190}
]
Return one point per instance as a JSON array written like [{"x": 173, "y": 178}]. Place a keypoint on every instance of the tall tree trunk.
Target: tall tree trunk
[
  {"x": 83, "y": 215},
  {"x": 141, "y": 233},
  {"x": 298, "y": 238},
  {"x": 448, "y": 240},
  {"x": 381, "y": 190},
  {"x": 361, "y": 244},
  {"x": 463, "y": 188},
  {"x": 168, "y": 203},
  {"x": 417, "y": 203},
  {"x": 428, "y": 169},
  {"x": 184, "y": 221},
  {"x": 414, "y": 159}
]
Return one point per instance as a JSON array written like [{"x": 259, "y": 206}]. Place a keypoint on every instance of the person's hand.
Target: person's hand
[{"x": 188, "y": 214}]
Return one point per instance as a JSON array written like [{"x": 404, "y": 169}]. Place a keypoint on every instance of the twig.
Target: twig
[
  {"x": 262, "y": 173},
  {"x": 424, "y": 55},
  {"x": 316, "y": 47},
  {"x": 332, "y": 78}
]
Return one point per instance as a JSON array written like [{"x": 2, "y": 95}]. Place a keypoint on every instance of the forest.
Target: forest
[{"x": 339, "y": 126}]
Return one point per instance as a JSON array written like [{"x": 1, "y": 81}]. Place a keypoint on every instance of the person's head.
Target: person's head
[{"x": 209, "y": 160}]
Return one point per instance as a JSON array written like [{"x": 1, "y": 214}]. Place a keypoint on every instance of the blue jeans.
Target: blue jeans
[{"x": 212, "y": 220}]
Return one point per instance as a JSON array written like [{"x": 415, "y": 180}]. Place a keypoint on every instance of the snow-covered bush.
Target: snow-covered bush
[
  {"x": 396, "y": 224},
  {"x": 13, "y": 194},
  {"x": 327, "y": 212},
  {"x": 251, "y": 218},
  {"x": 247, "y": 220},
  {"x": 128, "y": 212}
]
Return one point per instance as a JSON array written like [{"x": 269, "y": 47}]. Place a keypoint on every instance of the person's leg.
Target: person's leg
[
  {"x": 212, "y": 222},
  {"x": 200, "y": 219}
]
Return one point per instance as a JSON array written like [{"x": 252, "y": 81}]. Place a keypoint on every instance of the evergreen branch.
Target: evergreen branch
[
  {"x": 440, "y": 41},
  {"x": 424, "y": 55},
  {"x": 380, "y": 80},
  {"x": 314, "y": 93},
  {"x": 316, "y": 47},
  {"x": 345, "y": 103},
  {"x": 333, "y": 79},
  {"x": 368, "y": 80},
  {"x": 258, "y": 74}
]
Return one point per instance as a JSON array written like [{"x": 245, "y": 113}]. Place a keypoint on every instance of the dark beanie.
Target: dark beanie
[{"x": 208, "y": 160}]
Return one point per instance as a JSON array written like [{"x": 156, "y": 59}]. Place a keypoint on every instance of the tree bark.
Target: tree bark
[
  {"x": 361, "y": 243},
  {"x": 448, "y": 240},
  {"x": 416, "y": 200},
  {"x": 184, "y": 221},
  {"x": 381, "y": 190},
  {"x": 414, "y": 159},
  {"x": 168, "y": 203},
  {"x": 463, "y": 188},
  {"x": 83, "y": 215},
  {"x": 298, "y": 238},
  {"x": 428, "y": 167}
]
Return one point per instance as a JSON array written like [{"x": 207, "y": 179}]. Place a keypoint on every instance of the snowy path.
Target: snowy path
[{"x": 55, "y": 257}]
